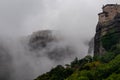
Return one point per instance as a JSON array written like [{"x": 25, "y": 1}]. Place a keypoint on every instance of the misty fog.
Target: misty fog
[{"x": 73, "y": 20}]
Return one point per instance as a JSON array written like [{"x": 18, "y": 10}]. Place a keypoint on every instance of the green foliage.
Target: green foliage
[
  {"x": 75, "y": 62},
  {"x": 114, "y": 76},
  {"x": 108, "y": 56},
  {"x": 57, "y": 73},
  {"x": 83, "y": 78},
  {"x": 88, "y": 58},
  {"x": 91, "y": 66},
  {"x": 105, "y": 58},
  {"x": 107, "y": 67},
  {"x": 116, "y": 49},
  {"x": 96, "y": 58},
  {"x": 109, "y": 40},
  {"x": 81, "y": 75},
  {"x": 105, "y": 70},
  {"x": 100, "y": 72}
]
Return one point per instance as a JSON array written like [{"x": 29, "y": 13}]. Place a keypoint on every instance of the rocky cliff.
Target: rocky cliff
[
  {"x": 51, "y": 44},
  {"x": 107, "y": 35}
]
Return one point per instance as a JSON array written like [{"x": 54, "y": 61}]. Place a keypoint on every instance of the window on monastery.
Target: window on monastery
[
  {"x": 102, "y": 15},
  {"x": 106, "y": 15}
]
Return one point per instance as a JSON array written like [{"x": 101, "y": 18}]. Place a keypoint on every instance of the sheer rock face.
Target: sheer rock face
[
  {"x": 40, "y": 39},
  {"x": 107, "y": 30},
  {"x": 50, "y": 44},
  {"x": 91, "y": 46}
]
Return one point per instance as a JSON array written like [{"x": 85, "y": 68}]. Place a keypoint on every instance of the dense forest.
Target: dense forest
[{"x": 106, "y": 67}]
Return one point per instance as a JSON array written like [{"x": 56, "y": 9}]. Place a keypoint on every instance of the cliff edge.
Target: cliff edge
[{"x": 107, "y": 35}]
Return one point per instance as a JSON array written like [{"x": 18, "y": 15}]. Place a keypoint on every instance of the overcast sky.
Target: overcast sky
[{"x": 22, "y": 17}]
